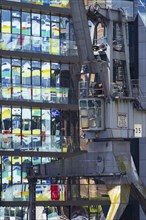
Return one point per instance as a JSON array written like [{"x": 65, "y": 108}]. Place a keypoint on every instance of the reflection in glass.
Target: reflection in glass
[
  {"x": 45, "y": 26},
  {"x": 16, "y": 91},
  {"x": 16, "y": 128},
  {"x": 46, "y": 129},
  {"x": 6, "y": 71},
  {"x": 15, "y": 22},
  {"x": 26, "y": 121},
  {"x": 26, "y": 162},
  {"x": 58, "y": 3},
  {"x": 6, "y": 24},
  {"x": 49, "y": 33},
  {"x": 6, "y": 77},
  {"x": 26, "y": 72},
  {"x": 35, "y": 24},
  {"x": 26, "y": 23},
  {"x": 6, "y": 120},
  {"x": 16, "y": 173},
  {"x": 16, "y": 124},
  {"x": 16, "y": 74},
  {"x": 6, "y": 170},
  {"x": 41, "y": 44},
  {"x": 45, "y": 77}
]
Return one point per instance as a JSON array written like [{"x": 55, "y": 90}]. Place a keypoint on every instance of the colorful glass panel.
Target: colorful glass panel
[{"x": 6, "y": 24}]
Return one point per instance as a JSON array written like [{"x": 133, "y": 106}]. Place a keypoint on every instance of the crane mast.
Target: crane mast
[{"x": 111, "y": 110}]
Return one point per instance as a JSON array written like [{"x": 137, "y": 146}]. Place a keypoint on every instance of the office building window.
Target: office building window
[
  {"x": 37, "y": 32},
  {"x": 31, "y": 129},
  {"x": 54, "y": 3},
  {"x": 34, "y": 80}
]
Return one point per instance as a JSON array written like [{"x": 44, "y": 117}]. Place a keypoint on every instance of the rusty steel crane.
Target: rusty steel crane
[{"x": 111, "y": 110}]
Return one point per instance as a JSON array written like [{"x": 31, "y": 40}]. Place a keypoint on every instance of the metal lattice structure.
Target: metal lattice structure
[{"x": 111, "y": 111}]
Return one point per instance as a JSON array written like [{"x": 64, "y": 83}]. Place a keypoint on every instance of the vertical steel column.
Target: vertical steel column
[{"x": 32, "y": 199}]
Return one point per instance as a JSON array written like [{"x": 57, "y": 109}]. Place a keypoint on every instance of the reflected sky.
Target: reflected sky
[{"x": 142, "y": 10}]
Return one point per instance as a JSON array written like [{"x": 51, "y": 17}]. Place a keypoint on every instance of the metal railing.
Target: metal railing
[{"x": 138, "y": 94}]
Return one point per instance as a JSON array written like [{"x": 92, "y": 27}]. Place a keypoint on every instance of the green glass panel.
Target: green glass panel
[{"x": 16, "y": 25}]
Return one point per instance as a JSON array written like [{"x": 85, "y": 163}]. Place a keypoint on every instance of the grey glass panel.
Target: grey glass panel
[
  {"x": 6, "y": 71},
  {"x": 35, "y": 24},
  {"x": 35, "y": 73},
  {"x": 26, "y": 72}
]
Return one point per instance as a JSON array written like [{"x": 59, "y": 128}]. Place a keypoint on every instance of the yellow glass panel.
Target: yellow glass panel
[
  {"x": 36, "y": 131},
  {"x": 55, "y": 31},
  {"x": 84, "y": 122},
  {"x": 6, "y": 28},
  {"x": 6, "y": 93},
  {"x": 61, "y": 4},
  {"x": 16, "y": 131},
  {"x": 3, "y": 46},
  {"x": 26, "y": 73},
  {"x": 25, "y": 193},
  {"x": 16, "y": 92},
  {"x": 54, "y": 46},
  {"x": 64, "y": 149},
  {"x": 26, "y": 132},
  {"x": 6, "y": 113},
  {"x": 46, "y": 73},
  {"x": 37, "y": 3},
  {"x": 16, "y": 160},
  {"x": 36, "y": 73}
]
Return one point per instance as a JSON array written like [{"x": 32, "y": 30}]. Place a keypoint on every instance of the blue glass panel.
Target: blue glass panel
[
  {"x": 26, "y": 23},
  {"x": 5, "y": 24},
  {"x": 142, "y": 10},
  {"x": 45, "y": 26}
]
